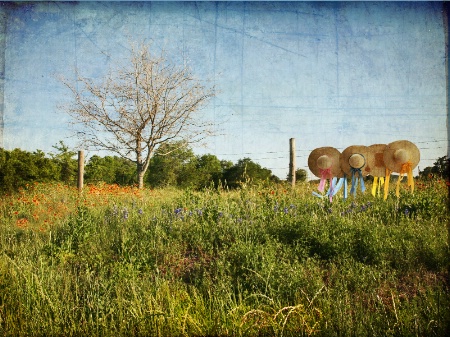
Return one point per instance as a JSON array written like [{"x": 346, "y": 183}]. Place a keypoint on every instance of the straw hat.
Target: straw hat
[
  {"x": 354, "y": 157},
  {"x": 400, "y": 152},
  {"x": 323, "y": 158},
  {"x": 375, "y": 160}
]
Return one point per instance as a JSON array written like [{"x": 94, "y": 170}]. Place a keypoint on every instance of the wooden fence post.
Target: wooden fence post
[
  {"x": 80, "y": 170},
  {"x": 292, "y": 161}
]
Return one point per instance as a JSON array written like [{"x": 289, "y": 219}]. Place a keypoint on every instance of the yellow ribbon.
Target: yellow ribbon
[
  {"x": 376, "y": 187},
  {"x": 386, "y": 184}
]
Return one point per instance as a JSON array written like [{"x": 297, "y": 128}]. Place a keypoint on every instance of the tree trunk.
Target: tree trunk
[
  {"x": 140, "y": 177},
  {"x": 140, "y": 167}
]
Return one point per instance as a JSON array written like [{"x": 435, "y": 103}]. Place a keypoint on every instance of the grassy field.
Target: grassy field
[{"x": 265, "y": 261}]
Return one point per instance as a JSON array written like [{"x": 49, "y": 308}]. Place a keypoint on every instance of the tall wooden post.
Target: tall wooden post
[
  {"x": 292, "y": 161},
  {"x": 80, "y": 170}
]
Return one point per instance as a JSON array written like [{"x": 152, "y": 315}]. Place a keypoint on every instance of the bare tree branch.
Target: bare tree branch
[{"x": 138, "y": 107}]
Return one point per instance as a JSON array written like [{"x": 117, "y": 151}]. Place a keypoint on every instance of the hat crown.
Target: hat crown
[
  {"x": 324, "y": 162},
  {"x": 401, "y": 156},
  {"x": 356, "y": 160}
]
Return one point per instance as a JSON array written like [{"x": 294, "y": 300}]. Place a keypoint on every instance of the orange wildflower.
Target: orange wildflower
[{"x": 22, "y": 223}]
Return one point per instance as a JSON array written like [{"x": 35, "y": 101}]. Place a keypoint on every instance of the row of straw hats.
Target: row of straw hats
[{"x": 400, "y": 156}]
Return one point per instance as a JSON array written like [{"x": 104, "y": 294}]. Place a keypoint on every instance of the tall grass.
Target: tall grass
[{"x": 263, "y": 261}]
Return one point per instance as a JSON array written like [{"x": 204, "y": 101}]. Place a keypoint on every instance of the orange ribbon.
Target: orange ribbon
[{"x": 405, "y": 169}]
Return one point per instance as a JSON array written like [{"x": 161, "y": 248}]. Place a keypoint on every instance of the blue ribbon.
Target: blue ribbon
[
  {"x": 337, "y": 184},
  {"x": 356, "y": 176},
  {"x": 332, "y": 190},
  {"x": 317, "y": 195},
  {"x": 336, "y": 187},
  {"x": 345, "y": 186}
]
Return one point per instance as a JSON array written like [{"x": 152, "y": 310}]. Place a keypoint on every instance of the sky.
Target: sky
[{"x": 325, "y": 73}]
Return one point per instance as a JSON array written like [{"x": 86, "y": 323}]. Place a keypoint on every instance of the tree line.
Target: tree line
[{"x": 173, "y": 164}]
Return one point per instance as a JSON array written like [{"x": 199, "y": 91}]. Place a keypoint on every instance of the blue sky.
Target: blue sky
[{"x": 327, "y": 74}]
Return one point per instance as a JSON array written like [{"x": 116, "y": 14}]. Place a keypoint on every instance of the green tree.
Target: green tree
[
  {"x": 300, "y": 175},
  {"x": 170, "y": 165},
  {"x": 440, "y": 167},
  {"x": 18, "y": 168},
  {"x": 207, "y": 171},
  {"x": 438, "y": 170},
  {"x": 111, "y": 170},
  {"x": 245, "y": 171},
  {"x": 66, "y": 163}
]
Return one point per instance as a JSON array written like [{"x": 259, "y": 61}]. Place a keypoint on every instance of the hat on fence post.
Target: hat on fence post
[
  {"x": 402, "y": 157},
  {"x": 354, "y": 163},
  {"x": 377, "y": 169},
  {"x": 324, "y": 163}
]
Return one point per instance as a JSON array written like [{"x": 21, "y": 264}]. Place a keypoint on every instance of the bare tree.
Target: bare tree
[{"x": 141, "y": 105}]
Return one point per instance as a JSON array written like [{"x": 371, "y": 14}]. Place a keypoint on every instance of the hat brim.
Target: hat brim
[
  {"x": 389, "y": 159},
  {"x": 334, "y": 156},
  {"x": 349, "y": 151},
  {"x": 375, "y": 160}
]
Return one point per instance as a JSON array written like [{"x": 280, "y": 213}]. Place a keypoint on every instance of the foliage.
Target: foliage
[
  {"x": 110, "y": 170},
  {"x": 208, "y": 170},
  {"x": 300, "y": 175},
  {"x": 66, "y": 163},
  {"x": 245, "y": 171},
  {"x": 174, "y": 164},
  {"x": 256, "y": 261},
  {"x": 171, "y": 164},
  {"x": 19, "y": 168},
  {"x": 438, "y": 170}
]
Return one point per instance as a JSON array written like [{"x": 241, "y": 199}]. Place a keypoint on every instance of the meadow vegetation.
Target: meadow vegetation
[{"x": 257, "y": 261}]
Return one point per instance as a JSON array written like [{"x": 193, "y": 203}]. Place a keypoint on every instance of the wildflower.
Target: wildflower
[
  {"x": 125, "y": 214},
  {"x": 22, "y": 222},
  {"x": 406, "y": 211},
  {"x": 178, "y": 211},
  {"x": 285, "y": 210},
  {"x": 140, "y": 211},
  {"x": 199, "y": 212}
]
